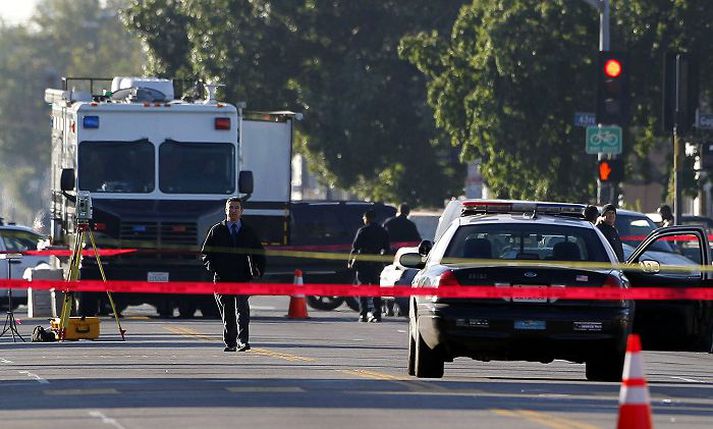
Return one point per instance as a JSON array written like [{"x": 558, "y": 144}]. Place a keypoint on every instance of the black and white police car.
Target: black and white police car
[
  {"x": 16, "y": 240},
  {"x": 512, "y": 244}
]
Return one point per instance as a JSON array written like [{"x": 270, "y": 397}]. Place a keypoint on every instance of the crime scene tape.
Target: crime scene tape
[{"x": 572, "y": 293}]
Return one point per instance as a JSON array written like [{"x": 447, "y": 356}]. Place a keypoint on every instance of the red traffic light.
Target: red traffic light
[
  {"x": 610, "y": 170},
  {"x": 612, "y": 68}
]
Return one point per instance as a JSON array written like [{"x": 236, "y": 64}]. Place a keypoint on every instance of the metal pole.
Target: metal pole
[{"x": 605, "y": 191}]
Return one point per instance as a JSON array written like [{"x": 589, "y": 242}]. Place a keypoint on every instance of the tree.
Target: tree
[
  {"x": 34, "y": 56},
  {"x": 366, "y": 124},
  {"x": 505, "y": 86}
]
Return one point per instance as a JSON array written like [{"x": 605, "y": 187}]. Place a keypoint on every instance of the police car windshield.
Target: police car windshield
[
  {"x": 122, "y": 167},
  {"x": 530, "y": 242},
  {"x": 196, "y": 168}
]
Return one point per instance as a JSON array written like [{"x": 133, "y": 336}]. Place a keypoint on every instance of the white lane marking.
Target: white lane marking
[
  {"x": 105, "y": 419},
  {"x": 403, "y": 331},
  {"x": 35, "y": 376},
  {"x": 5, "y": 361},
  {"x": 262, "y": 307},
  {"x": 690, "y": 380}
]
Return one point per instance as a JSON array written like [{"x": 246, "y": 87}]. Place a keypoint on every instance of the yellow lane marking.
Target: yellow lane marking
[
  {"x": 547, "y": 420},
  {"x": 373, "y": 375},
  {"x": 137, "y": 317},
  {"x": 189, "y": 332},
  {"x": 257, "y": 389},
  {"x": 258, "y": 351},
  {"x": 81, "y": 392}
]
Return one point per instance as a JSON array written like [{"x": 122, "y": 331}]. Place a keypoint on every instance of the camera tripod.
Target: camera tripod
[
  {"x": 75, "y": 260},
  {"x": 10, "y": 322}
]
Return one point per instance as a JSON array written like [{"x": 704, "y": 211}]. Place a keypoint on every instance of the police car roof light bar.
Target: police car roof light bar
[{"x": 471, "y": 207}]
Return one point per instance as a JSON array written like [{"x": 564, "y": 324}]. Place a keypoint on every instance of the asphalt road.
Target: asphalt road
[{"x": 328, "y": 371}]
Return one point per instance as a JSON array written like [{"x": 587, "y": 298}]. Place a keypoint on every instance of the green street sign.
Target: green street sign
[{"x": 604, "y": 139}]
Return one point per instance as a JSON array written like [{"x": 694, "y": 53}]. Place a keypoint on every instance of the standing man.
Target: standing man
[
  {"x": 370, "y": 240},
  {"x": 606, "y": 226},
  {"x": 591, "y": 213},
  {"x": 401, "y": 229},
  {"x": 232, "y": 252},
  {"x": 666, "y": 215}
]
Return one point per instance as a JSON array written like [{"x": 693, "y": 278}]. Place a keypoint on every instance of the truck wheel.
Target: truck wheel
[
  {"x": 352, "y": 303},
  {"x": 326, "y": 303},
  {"x": 87, "y": 303},
  {"x": 429, "y": 364},
  {"x": 186, "y": 310},
  {"x": 209, "y": 310},
  {"x": 164, "y": 309}
]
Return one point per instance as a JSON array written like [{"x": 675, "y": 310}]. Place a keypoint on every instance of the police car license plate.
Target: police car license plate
[
  {"x": 157, "y": 276},
  {"x": 528, "y": 299},
  {"x": 531, "y": 325}
]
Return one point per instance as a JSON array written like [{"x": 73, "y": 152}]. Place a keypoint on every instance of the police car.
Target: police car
[
  {"x": 511, "y": 244},
  {"x": 15, "y": 239}
]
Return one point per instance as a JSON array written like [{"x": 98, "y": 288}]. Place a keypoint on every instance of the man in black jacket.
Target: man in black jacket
[
  {"x": 401, "y": 230},
  {"x": 232, "y": 252},
  {"x": 370, "y": 241},
  {"x": 606, "y": 226}
]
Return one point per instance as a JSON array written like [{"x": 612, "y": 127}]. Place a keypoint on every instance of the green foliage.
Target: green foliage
[
  {"x": 63, "y": 38},
  {"x": 367, "y": 126}
]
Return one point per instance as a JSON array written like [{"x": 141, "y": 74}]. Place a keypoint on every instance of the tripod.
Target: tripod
[
  {"x": 10, "y": 322},
  {"x": 74, "y": 264}
]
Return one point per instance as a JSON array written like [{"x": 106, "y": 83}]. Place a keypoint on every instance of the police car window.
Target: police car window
[
  {"x": 526, "y": 242},
  {"x": 116, "y": 167},
  {"x": 20, "y": 241},
  {"x": 633, "y": 229},
  {"x": 196, "y": 168}
]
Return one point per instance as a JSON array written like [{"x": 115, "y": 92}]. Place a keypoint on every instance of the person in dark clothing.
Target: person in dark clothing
[
  {"x": 401, "y": 229},
  {"x": 606, "y": 226},
  {"x": 591, "y": 213},
  {"x": 232, "y": 252},
  {"x": 666, "y": 215},
  {"x": 370, "y": 240}
]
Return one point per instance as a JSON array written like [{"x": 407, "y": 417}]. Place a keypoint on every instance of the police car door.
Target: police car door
[{"x": 673, "y": 257}]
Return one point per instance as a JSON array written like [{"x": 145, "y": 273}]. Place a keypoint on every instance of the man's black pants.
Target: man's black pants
[
  {"x": 369, "y": 277},
  {"x": 235, "y": 313}
]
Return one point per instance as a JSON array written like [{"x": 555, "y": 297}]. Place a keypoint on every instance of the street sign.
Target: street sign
[
  {"x": 585, "y": 119},
  {"x": 604, "y": 139},
  {"x": 705, "y": 121}
]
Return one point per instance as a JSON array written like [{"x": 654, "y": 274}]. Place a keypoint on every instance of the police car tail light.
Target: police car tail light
[
  {"x": 222, "y": 123},
  {"x": 613, "y": 282},
  {"x": 448, "y": 278}
]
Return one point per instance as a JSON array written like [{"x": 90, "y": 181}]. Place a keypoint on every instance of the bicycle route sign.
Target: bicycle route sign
[{"x": 604, "y": 139}]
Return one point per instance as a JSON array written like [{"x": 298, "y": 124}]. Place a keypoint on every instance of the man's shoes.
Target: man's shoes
[
  {"x": 362, "y": 318},
  {"x": 374, "y": 319},
  {"x": 243, "y": 347},
  {"x": 230, "y": 349}
]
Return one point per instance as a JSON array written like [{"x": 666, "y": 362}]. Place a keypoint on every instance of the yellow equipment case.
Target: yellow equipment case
[{"x": 78, "y": 328}]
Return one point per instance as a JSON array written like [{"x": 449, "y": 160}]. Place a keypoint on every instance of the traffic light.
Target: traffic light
[
  {"x": 610, "y": 170},
  {"x": 612, "y": 88},
  {"x": 680, "y": 91}
]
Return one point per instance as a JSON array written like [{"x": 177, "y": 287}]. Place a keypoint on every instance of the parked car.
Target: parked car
[
  {"x": 471, "y": 251},
  {"x": 18, "y": 239}
]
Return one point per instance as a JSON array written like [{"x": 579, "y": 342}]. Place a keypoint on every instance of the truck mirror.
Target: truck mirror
[
  {"x": 66, "y": 180},
  {"x": 245, "y": 182}
]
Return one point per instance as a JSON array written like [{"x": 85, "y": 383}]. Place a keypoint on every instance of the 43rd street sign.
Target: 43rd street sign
[{"x": 604, "y": 139}]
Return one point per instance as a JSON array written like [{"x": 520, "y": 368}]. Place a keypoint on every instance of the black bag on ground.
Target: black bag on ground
[{"x": 42, "y": 335}]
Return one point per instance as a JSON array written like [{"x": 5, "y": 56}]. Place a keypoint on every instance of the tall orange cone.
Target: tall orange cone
[
  {"x": 298, "y": 306},
  {"x": 634, "y": 402}
]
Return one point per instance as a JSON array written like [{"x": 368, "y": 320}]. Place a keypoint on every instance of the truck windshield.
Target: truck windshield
[
  {"x": 196, "y": 168},
  {"x": 122, "y": 167}
]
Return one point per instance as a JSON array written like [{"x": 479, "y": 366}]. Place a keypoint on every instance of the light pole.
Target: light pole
[{"x": 602, "y": 6}]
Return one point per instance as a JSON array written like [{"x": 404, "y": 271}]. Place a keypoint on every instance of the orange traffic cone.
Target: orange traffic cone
[
  {"x": 634, "y": 402},
  {"x": 298, "y": 306}
]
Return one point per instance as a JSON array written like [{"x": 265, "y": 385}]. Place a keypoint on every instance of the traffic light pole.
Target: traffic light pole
[
  {"x": 605, "y": 192},
  {"x": 678, "y": 153}
]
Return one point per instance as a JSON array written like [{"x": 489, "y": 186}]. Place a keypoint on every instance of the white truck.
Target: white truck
[{"x": 159, "y": 170}]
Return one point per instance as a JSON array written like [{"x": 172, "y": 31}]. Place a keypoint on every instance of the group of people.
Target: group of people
[{"x": 232, "y": 252}]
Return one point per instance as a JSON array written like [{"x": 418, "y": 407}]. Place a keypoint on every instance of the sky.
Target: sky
[{"x": 16, "y": 11}]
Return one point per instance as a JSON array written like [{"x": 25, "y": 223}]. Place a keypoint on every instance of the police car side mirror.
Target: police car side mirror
[
  {"x": 66, "y": 180},
  {"x": 245, "y": 182},
  {"x": 411, "y": 260},
  {"x": 424, "y": 247}
]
